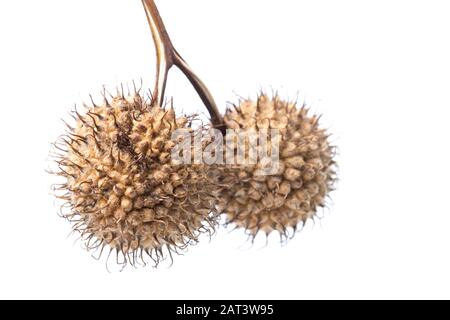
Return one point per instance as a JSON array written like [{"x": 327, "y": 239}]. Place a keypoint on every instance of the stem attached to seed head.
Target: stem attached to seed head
[{"x": 167, "y": 56}]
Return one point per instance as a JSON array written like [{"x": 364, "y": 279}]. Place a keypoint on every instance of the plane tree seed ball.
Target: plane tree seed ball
[
  {"x": 121, "y": 187},
  {"x": 304, "y": 178}
]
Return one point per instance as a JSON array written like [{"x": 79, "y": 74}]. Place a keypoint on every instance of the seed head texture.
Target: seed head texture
[
  {"x": 121, "y": 189},
  {"x": 304, "y": 178}
]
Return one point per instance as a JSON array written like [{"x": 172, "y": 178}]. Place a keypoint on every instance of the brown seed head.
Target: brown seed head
[
  {"x": 121, "y": 187},
  {"x": 304, "y": 178}
]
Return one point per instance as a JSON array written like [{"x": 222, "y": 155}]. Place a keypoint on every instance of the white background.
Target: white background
[{"x": 379, "y": 71}]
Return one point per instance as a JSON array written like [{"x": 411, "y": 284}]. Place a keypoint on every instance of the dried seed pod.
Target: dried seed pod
[
  {"x": 305, "y": 174},
  {"x": 122, "y": 189}
]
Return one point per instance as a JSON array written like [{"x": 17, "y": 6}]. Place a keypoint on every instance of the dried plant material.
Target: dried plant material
[
  {"x": 305, "y": 174},
  {"x": 121, "y": 189}
]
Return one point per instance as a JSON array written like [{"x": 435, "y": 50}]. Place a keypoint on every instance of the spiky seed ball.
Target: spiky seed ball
[
  {"x": 121, "y": 187},
  {"x": 305, "y": 177}
]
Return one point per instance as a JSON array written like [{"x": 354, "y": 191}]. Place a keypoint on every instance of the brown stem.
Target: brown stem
[{"x": 167, "y": 57}]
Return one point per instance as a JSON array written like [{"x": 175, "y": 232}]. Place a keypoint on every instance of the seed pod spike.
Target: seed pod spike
[{"x": 167, "y": 57}]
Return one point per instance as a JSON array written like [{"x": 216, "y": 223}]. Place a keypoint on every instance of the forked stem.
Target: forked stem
[{"x": 167, "y": 57}]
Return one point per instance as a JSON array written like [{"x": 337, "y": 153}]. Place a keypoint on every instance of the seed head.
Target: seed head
[
  {"x": 304, "y": 177},
  {"x": 120, "y": 187}
]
